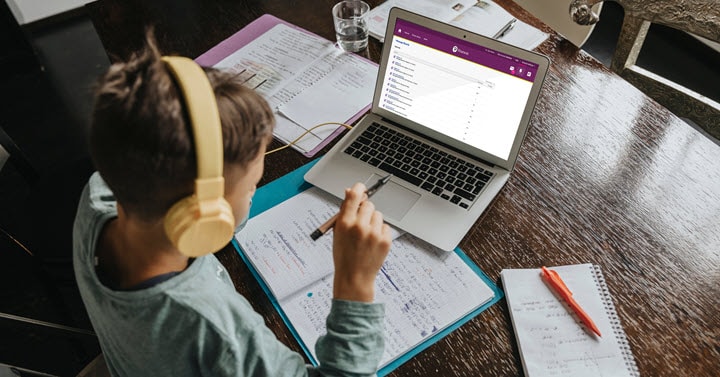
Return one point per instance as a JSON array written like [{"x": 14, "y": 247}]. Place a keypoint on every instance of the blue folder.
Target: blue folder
[{"x": 292, "y": 184}]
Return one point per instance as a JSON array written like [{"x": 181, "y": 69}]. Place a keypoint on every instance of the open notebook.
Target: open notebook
[
  {"x": 427, "y": 292},
  {"x": 551, "y": 340}
]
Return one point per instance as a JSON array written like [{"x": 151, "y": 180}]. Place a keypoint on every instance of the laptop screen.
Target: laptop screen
[{"x": 463, "y": 90}]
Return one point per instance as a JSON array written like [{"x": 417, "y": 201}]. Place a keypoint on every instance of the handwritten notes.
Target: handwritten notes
[
  {"x": 552, "y": 341},
  {"x": 424, "y": 289},
  {"x": 279, "y": 246},
  {"x": 284, "y": 64}
]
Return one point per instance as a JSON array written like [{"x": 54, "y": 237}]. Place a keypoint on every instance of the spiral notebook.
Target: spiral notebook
[{"x": 551, "y": 339}]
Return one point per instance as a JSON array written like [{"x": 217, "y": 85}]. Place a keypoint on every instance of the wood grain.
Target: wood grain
[{"x": 605, "y": 176}]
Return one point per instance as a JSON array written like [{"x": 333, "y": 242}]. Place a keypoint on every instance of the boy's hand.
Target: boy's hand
[{"x": 361, "y": 241}]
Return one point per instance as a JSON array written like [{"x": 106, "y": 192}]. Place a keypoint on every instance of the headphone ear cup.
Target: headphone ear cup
[{"x": 194, "y": 234}]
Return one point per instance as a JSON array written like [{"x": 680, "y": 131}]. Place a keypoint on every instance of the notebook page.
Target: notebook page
[
  {"x": 347, "y": 83},
  {"x": 277, "y": 242},
  {"x": 424, "y": 290},
  {"x": 552, "y": 341}
]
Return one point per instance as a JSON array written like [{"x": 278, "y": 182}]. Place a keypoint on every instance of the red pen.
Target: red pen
[{"x": 559, "y": 286}]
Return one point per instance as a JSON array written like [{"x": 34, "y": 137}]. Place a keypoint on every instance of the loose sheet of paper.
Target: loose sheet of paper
[
  {"x": 487, "y": 18},
  {"x": 441, "y": 10},
  {"x": 284, "y": 63},
  {"x": 482, "y": 17},
  {"x": 344, "y": 84},
  {"x": 552, "y": 341}
]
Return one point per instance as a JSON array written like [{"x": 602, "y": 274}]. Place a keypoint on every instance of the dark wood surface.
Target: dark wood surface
[{"x": 605, "y": 176}]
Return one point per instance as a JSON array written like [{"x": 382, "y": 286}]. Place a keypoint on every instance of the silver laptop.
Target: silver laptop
[{"x": 449, "y": 114}]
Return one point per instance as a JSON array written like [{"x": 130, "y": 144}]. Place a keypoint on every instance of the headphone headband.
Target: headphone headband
[
  {"x": 202, "y": 110},
  {"x": 202, "y": 223}
]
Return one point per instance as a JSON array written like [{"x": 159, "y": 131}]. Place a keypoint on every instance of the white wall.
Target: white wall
[{"x": 26, "y": 11}]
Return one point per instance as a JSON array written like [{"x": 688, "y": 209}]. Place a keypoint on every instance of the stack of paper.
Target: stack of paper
[
  {"x": 306, "y": 79},
  {"x": 481, "y": 17}
]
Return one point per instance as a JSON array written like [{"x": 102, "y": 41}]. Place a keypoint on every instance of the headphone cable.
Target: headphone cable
[{"x": 305, "y": 133}]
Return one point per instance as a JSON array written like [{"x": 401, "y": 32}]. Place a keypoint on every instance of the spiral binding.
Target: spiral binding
[{"x": 615, "y": 322}]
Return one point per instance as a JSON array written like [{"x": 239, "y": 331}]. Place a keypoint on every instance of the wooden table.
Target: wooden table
[{"x": 605, "y": 176}]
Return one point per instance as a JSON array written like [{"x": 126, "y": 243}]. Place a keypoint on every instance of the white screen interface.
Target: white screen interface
[{"x": 465, "y": 91}]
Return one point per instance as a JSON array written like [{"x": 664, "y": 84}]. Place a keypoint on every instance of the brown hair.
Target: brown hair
[{"x": 141, "y": 139}]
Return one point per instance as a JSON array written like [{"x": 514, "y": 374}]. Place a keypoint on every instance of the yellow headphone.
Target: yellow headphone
[{"x": 201, "y": 223}]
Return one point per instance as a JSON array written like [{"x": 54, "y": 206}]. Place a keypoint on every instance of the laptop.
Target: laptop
[{"x": 449, "y": 113}]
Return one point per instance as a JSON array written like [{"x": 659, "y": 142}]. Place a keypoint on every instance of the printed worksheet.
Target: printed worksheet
[
  {"x": 482, "y": 17},
  {"x": 289, "y": 67},
  {"x": 441, "y": 10},
  {"x": 487, "y": 18}
]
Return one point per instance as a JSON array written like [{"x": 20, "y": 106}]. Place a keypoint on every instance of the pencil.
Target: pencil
[{"x": 326, "y": 226}]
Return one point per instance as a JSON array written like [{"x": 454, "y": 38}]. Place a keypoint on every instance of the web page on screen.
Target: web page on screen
[{"x": 468, "y": 92}]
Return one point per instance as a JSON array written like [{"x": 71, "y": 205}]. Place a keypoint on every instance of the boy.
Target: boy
[{"x": 158, "y": 312}]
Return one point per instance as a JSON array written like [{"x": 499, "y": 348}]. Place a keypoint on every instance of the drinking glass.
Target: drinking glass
[{"x": 351, "y": 27}]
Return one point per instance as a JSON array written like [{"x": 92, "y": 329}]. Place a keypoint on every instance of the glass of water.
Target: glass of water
[{"x": 351, "y": 27}]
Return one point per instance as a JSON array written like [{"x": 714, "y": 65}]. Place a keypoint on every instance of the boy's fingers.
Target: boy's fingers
[
  {"x": 354, "y": 196},
  {"x": 376, "y": 222},
  {"x": 365, "y": 212},
  {"x": 386, "y": 231}
]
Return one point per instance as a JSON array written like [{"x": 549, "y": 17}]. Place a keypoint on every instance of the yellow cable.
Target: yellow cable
[{"x": 307, "y": 132}]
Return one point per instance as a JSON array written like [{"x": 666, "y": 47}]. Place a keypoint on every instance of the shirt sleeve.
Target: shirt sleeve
[
  {"x": 354, "y": 342},
  {"x": 353, "y": 346}
]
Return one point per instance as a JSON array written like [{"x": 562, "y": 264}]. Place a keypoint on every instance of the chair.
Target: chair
[{"x": 699, "y": 17}]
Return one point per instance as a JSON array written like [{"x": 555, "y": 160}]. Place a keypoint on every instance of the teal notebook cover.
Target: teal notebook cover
[{"x": 293, "y": 183}]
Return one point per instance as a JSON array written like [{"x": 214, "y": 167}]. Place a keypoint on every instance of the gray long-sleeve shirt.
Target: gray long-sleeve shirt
[{"x": 196, "y": 324}]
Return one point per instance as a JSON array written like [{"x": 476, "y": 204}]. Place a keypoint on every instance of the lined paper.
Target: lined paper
[{"x": 551, "y": 339}]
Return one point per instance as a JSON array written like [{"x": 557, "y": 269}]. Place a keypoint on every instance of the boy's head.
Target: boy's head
[{"x": 142, "y": 143}]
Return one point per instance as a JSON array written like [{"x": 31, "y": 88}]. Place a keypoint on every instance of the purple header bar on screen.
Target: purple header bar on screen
[{"x": 466, "y": 50}]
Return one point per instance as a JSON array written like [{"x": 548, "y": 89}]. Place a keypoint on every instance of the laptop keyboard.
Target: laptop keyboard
[{"x": 455, "y": 180}]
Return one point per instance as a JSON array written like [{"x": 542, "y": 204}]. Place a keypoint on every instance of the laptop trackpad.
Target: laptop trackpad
[{"x": 394, "y": 201}]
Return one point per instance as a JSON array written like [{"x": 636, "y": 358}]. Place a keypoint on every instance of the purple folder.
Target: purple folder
[{"x": 248, "y": 34}]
